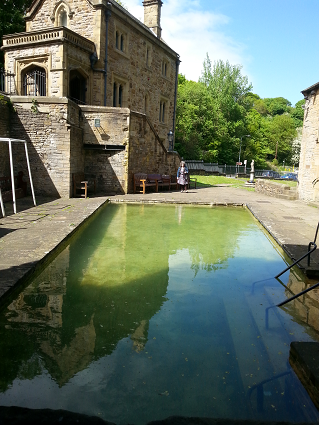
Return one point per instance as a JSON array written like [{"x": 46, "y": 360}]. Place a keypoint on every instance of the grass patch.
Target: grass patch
[
  {"x": 209, "y": 181},
  {"x": 291, "y": 183}
]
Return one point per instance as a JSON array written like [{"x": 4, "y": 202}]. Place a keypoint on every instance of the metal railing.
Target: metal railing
[
  {"x": 34, "y": 83},
  {"x": 310, "y": 251},
  {"x": 7, "y": 83}
]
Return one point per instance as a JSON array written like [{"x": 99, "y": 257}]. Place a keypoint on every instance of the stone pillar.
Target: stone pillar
[{"x": 152, "y": 16}]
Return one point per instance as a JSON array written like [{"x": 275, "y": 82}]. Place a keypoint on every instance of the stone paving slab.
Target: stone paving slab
[{"x": 27, "y": 238}]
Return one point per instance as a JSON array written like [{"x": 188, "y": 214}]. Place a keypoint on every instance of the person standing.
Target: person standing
[{"x": 182, "y": 176}]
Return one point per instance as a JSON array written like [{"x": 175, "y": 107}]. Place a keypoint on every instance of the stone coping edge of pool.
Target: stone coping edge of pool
[
  {"x": 22, "y": 416},
  {"x": 21, "y": 275}
]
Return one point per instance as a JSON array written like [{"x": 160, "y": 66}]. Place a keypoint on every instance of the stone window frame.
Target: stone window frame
[
  {"x": 165, "y": 68},
  {"x": 22, "y": 64},
  {"x": 148, "y": 55},
  {"x": 60, "y": 8},
  {"x": 121, "y": 39},
  {"x": 119, "y": 91},
  {"x": 163, "y": 110}
]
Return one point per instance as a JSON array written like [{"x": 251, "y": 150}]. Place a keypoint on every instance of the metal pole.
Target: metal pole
[
  {"x": 12, "y": 178},
  {"x": 298, "y": 295},
  {"x": 241, "y": 139},
  {"x": 29, "y": 169},
  {"x": 2, "y": 206}
]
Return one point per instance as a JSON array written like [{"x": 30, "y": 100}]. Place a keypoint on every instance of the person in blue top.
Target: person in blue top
[{"x": 182, "y": 176}]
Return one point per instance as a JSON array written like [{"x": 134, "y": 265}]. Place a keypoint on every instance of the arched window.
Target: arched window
[
  {"x": 63, "y": 18},
  {"x": 34, "y": 82},
  {"x": 62, "y": 14},
  {"x": 77, "y": 87}
]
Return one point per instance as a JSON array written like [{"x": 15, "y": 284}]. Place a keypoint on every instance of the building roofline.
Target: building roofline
[
  {"x": 309, "y": 89},
  {"x": 121, "y": 12}
]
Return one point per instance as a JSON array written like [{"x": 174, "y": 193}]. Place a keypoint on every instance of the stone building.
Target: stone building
[
  {"x": 95, "y": 91},
  {"x": 309, "y": 155}
]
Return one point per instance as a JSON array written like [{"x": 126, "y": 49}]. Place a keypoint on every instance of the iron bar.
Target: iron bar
[
  {"x": 298, "y": 295},
  {"x": 297, "y": 261}
]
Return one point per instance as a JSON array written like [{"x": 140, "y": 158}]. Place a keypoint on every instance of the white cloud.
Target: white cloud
[{"x": 193, "y": 32}]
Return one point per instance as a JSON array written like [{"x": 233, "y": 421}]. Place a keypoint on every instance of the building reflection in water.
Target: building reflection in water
[
  {"x": 305, "y": 307},
  {"x": 108, "y": 284}
]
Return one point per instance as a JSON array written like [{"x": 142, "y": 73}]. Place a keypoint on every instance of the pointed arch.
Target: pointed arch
[{"x": 61, "y": 14}]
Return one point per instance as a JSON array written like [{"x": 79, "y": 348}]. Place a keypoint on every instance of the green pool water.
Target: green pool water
[{"x": 153, "y": 311}]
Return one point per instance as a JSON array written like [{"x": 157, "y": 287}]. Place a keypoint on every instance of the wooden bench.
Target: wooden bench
[
  {"x": 6, "y": 187},
  {"x": 81, "y": 184},
  {"x": 165, "y": 181},
  {"x": 141, "y": 181}
]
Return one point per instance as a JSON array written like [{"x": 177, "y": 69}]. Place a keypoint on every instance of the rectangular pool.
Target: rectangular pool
[{"x": 152, "y": 311}]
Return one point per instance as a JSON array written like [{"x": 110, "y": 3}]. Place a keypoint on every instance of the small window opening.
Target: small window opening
[
  {"x": 34, "y": 82},
  {"x": 114, "y": 94},
  {"x": 63, "y": 19},
  {"x": 120, "y": 95},
  {"x": 117, "y": 38},
  {"x": 77, "y": 87},
  {"x": 122, "y": 43}
]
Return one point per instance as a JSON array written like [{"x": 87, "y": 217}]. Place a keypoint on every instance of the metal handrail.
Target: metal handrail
[
  {"x": 298, "y": 295},
  {"x": 259, "y": 388},
  {"x": 299, "y": 259},
  {"x": 310, "y": 251}
]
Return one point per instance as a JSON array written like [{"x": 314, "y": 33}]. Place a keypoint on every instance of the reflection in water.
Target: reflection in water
[
  {"x": 149, "y": 313},
  {"x": 305, "y": 308}
]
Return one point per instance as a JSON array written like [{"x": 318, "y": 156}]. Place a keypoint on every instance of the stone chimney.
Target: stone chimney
[{"x": 152, "y": 16}]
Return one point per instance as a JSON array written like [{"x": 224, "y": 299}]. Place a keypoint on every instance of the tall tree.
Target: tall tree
[
  {"x": 229, "y": 90},
  {"x": 11, "y": 18}
]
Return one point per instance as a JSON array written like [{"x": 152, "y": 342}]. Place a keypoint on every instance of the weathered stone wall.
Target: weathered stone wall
[
  {"x": 83, "y": 17},
  {"x": 52, "y": 133},
  {"x": 4, "y": 132},
  {"x": 309, "y": 155},
  {"x": 277, "y": 190},
  {"x": 109, "y": 167},
  {"x": 146, "y": 154},
  {"x": 140, "y": 67},
  {"x": 57, "y": 60}
]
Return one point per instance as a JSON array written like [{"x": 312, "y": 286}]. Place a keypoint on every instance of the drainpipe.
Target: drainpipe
[
  {"x": 175, "y": 94},
  {"x": 107, "y": 16}
]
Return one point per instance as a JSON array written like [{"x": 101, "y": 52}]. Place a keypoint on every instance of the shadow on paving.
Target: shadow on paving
[
  {"x": 5, "y": 231},
  {"x": 22, "y": 416},
  {"x": 26, "y": 203}
]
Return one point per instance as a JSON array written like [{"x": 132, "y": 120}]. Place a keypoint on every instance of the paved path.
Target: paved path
[{"x": 28, "y": 238}]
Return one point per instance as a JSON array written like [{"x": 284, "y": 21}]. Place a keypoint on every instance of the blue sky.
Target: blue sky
[{"x": 275, "y": 41}]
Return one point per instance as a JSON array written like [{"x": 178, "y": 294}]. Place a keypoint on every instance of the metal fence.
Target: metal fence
[
  {"x": 34, "y": 83},
  {"x": 214, "y": 168},
  {"x": 7, "y": 82},
  {"x": 201, "y": 167}
]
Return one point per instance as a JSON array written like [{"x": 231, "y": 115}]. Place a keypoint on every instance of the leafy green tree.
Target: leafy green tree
[
  {"x": 229, "y": 90},
  {"x": 281, "y": 131},
  {"x": 11, "y": 18},
  {"x": 297, "y": 113},
  {"x": 198, "y": 123},
  {"x": 277, "y": 105}
]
